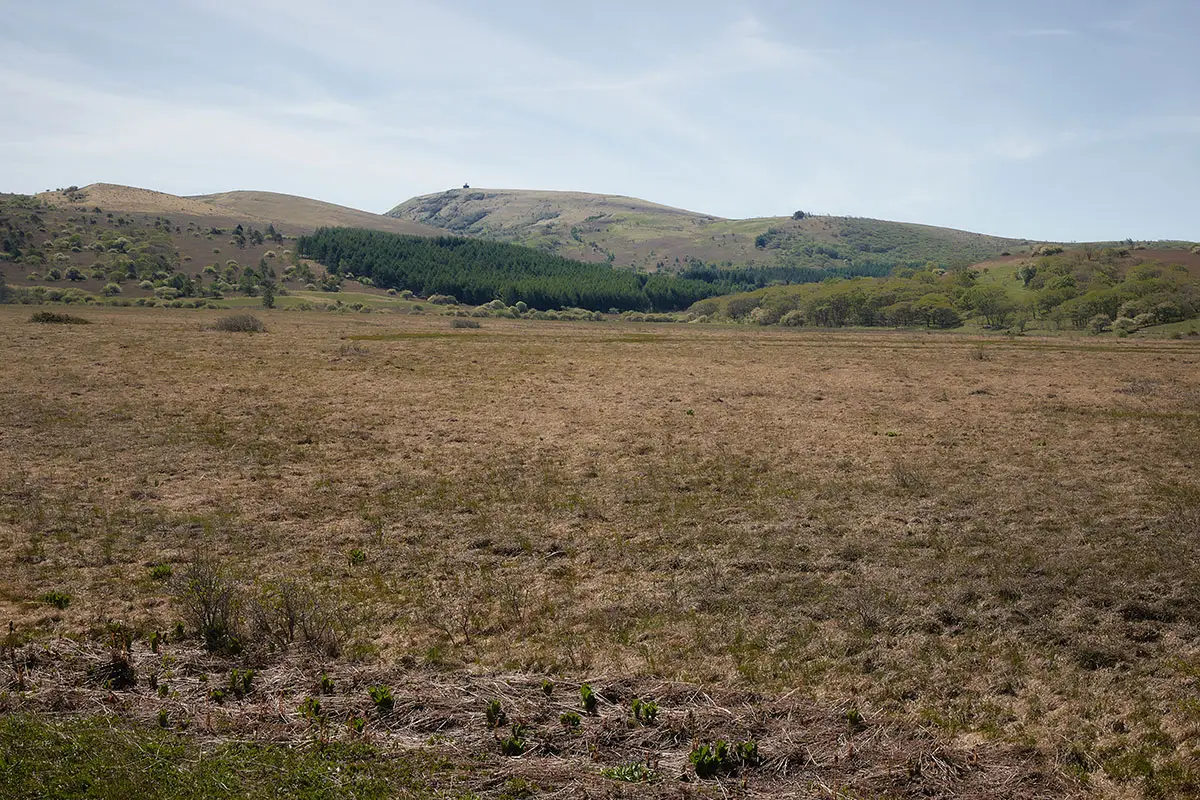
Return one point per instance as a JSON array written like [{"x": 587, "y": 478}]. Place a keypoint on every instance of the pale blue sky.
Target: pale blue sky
[{"x": 1054, "y": 119}]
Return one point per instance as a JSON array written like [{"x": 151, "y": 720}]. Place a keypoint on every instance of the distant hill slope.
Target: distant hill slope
[
  {"x": 113, "y": 197},
  {"x": 304, "y": 212},
  {"x": 291, "y": 214},
  {"x": 631, "y": 232}
]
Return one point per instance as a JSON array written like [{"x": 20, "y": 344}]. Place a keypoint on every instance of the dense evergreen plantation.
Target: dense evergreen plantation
[{"x": 477, "y": 271}]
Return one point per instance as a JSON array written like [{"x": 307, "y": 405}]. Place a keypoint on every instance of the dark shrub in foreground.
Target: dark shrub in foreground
[
  {"x": 55, "y": 318},
  {"x": 240, "y": 323}
]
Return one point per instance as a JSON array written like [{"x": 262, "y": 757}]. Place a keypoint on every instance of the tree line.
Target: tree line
[{"x": 476, "y": 271}]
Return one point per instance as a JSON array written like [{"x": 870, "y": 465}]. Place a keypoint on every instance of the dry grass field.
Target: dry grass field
[{"x": 905, "y": 565}]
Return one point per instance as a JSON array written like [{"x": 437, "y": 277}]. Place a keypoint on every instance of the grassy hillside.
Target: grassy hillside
[
  {"x": 304, "y": 213},
  {"x": 127, "y": 245},
  {"x": 291, "y": 214},
  {"x": 631, "y": 232}
]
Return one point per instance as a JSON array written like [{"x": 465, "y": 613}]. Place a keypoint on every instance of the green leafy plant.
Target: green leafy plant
[
  {"x": 570, "y": 721},
  {"x": 709, "y": 759},
  {"x": 494, "y": 713},
  {"x": 327, "y": 686},
  {"x": 382, "y": 697},
  {"x": 163, "y": 719},
  {"x": 310, "y": 709},
  {"x": 722, "y": 756},
  {"x": 514, "y": 744},
  {"x": 588, "y": 697},
  {"x": 358, "y": 724},
  {"x": 161, "y": 572},
  {"x": 56, "y": 598},
  {"x": 645, "y": 711},
  {"x": 747, "y": 752},
  {"x": 633, "y": 772},
  {"x": 855, "y": 720},
  {"x": 358, "y": 556},
  {"x": 547, "y": 687}
]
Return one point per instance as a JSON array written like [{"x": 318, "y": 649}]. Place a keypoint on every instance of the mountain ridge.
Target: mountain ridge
[
  {"x": 294, "y": 213},
  {"x": 631, "y": 232}
]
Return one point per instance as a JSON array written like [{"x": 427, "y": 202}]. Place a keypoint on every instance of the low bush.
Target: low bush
[
  {"x": 59, "y": 600},
  {"x": 212, "y": 604},
  {"x": 240, "y": 323},
  {"x": 55, "y": 318},
  {"x": 464, "y": 322}
]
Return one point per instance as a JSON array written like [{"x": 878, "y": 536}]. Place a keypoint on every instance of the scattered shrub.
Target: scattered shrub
[
  {"x": 285, "y": 611},
  {"x": 55, "y": 318},
  {"x": 464, "y": 322},
  {"x": 212, "y": 604},
  {"x": 161, "y": 572},
  {"x": 59, "y": 600},
  {"x": 240, "y": 323}
]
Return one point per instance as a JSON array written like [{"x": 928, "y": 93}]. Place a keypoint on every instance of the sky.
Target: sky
[{"x": 1069, "y": 120}]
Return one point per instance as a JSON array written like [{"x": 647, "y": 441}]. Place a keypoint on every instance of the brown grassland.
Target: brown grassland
[{"x": 906, "y": 565}]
